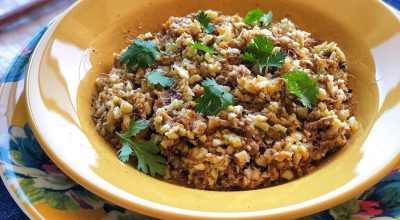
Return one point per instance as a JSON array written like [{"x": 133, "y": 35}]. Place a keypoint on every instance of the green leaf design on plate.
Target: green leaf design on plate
[
  {"x": 57, "y": 200},
  {"x": 345, "y": 210},
  {"x": 61, "y": 201}
]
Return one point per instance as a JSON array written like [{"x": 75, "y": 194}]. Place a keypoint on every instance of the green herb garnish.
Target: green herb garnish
[
  {"x": 260, "y": 52},
  {"x": 256, "y": 16},
  {"x": 303, "y": 86},
  {"x": 204, "y": 48},
  {"x": 266, "y": 20},
  {"x": 205, "y": 22},
  {"x": 253, "y": 16},
  {"x": 140, "y": 54},
  {"x": 214, "y": 98},
  {"x": 145, "y": 151},
  {"x": 156, "y": 77}
]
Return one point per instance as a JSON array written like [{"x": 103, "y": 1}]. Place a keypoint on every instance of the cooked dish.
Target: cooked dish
[{"x": 222, "y": 102}]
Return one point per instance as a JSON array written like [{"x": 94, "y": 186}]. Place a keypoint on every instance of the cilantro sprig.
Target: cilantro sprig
[
  {"x": 260, "y": 52},
  {"x": 140, "y": 54},
  {"x": 214, "y": 98},
  {"x": 257, "y": 16},
  {"x": 145, "y": 151},
  {"x": 205, "y": 22},
  {"x": 156, "y": 77},
  {"x": 303, "y": 86},
  {"x": 206, "y": 49},
  {"x": 266, "y": 20},
  {"x": 252, "y": 16}
]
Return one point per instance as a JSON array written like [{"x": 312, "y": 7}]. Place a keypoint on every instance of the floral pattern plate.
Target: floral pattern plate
[{"x": 44, "y": 192}]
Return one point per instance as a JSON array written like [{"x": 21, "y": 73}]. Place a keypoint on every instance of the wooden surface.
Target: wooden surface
[
  {"x": 14, "y": 36},
  {"x": 21, "y": 11}
]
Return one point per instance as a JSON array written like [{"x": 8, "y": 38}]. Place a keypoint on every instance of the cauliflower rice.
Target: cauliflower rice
[{"x": 266, "y": 138}]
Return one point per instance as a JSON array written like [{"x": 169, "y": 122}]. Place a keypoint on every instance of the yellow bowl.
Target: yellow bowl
[{"x": 60, "y": 85}]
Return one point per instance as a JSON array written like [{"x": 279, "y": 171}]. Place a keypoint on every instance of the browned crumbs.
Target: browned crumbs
[{"x": 265, "y": 138}]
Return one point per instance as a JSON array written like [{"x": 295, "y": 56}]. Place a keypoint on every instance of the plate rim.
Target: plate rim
[{"x": 28, "y": 209}]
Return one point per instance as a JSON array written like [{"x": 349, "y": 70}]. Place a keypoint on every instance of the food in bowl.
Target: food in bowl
[{"x": 222, "y": 102}]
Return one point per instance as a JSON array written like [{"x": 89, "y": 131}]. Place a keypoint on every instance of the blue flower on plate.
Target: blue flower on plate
[
  {"x": 36, "y": 177},
  {"x": 38, "y": 180},
  {"x": 383, "y": 199}
]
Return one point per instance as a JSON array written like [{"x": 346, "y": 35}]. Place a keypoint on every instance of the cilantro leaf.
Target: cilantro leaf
[
  {"x": 135, "y": 127},
  {"x": 303, "y": 86},
  {"x": 205, "y": 22},
  {"x": 249, "y": 57},
  {"x": 147, "y": 156},
  {"x": 276, "y": 59},
  {"x": 254, "y": 17},
  {"x": 204, "y": 48},
  {"x": 266, "y": 20},
  {"x": 156, "y": 77},
  {"x": 125, "y": 152},
  {"x": 148, "y": 160},
  {"x": 145, "y": 151},
  {"x": 260, "y": 52},
  {"x": 140, "y": 54},
  {"x": 214, "y": 98}
]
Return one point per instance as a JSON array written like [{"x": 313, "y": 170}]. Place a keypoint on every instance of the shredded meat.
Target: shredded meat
[{"x": 267, "y": 137}]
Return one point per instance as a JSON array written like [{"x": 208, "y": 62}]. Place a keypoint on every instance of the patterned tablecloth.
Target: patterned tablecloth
[{"x": 382, "y": 201}]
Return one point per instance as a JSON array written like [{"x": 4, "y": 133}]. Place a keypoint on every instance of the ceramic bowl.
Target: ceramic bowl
[{"x": 60, "y": 85}]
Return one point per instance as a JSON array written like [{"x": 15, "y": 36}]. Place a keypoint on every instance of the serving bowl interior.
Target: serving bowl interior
[{"x": 61, "y": 83}]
